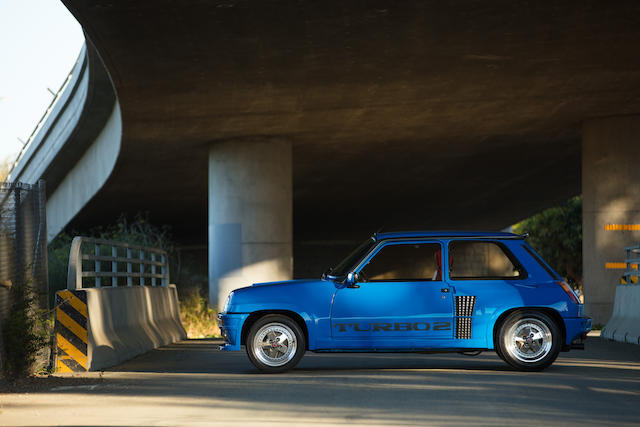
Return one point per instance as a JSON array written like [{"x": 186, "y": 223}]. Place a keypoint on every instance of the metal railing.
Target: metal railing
[
  {"x": 121, "y": 264},
  {"x": 632, "y": 260},
  {"x": 56, "y": 97}
]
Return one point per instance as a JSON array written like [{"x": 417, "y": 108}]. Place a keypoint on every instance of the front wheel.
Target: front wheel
[
  {"x": 275, "y": 343},
  {"x": 529, "y": 340}
]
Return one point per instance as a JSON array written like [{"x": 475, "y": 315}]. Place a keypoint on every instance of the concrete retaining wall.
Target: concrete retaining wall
[
  {"x": 624, "y": 325},
  {"x": 121, "y": 323}
]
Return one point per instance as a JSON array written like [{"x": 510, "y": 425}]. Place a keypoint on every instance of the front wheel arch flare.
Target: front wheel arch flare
[
  {"x": 253, "y": 317},
  {"x": 555, "y": 316}
]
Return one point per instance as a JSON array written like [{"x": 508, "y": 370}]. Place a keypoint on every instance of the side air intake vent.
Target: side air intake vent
[{"x": 464, "y": 313}]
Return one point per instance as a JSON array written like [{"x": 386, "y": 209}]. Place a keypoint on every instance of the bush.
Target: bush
[
  {"x": 198, "y": 319},
  {"x": 25, "y": 332},
  {"x": 556, "y": 234},
  {"x": 58, "y": 263}
]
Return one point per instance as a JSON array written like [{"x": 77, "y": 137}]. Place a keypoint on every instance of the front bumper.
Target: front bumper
[
  {"x": 231, "y": 330},
  {"x": 577, "y": 329}
]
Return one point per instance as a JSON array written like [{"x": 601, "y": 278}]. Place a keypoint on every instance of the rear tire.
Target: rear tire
[
  {"x": 275, "y": 343},
  {"x": 528, "y": 340},
  {"x": 497, "y": 346}
]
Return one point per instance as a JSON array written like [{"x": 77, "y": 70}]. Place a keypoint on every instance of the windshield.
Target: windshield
[{"x": 343, "y": 267}]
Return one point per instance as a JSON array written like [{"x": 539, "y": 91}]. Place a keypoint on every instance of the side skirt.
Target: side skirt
[{"x": 400, "y": 350}]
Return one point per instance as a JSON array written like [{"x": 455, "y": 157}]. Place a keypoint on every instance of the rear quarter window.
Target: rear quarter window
[{"x": 483, "y": 260}]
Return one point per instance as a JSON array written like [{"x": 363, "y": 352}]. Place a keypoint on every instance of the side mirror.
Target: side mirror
[{"x": 352, "y": 279}]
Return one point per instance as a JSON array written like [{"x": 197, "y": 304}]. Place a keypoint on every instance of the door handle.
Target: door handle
[
  {"x": 353, "y": 285},
  {"x": 445, "y": 290}
]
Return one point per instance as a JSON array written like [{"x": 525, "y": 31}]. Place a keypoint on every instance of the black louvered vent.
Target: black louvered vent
[{"x": 464, "y": 313}]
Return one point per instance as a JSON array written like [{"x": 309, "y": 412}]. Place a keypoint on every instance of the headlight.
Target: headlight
[{"x": 225, "y": 307}]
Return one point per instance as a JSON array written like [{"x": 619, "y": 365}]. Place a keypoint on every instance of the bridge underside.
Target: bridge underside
[
  {"x": 401, "y": 114},
  {"x": 413, "y": 114}
]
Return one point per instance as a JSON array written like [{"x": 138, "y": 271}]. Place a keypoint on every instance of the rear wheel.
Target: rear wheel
[
  {"x": 497, "y": 346},
  {"x": 275, "y": 343},
  {"x": 529, "y": 340}
]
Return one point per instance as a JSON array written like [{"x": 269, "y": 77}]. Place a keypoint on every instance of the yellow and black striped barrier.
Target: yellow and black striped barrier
[{"x": 71, "y": 331}]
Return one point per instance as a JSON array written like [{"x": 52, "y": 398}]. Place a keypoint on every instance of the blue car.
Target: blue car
[{"x": 414, "y": 292}]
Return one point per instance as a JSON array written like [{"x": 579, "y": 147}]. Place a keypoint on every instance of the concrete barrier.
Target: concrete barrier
[
  {"x": 119, "y": 323},
  {"x": 624, "y": 325}
]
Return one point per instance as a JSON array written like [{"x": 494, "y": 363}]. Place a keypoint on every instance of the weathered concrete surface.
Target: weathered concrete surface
[
  {"x": 611, "y": 196},
  {"x": 412, "y": 114},
  {"x": 127, "y": 321},
  {"x": 76, "y": 148},
  {"x": 250, "y": 214},
  {"x": 191, "y": 383},
  {"x": 624, "y": 324},
  {"x": 86, "y": 177}
]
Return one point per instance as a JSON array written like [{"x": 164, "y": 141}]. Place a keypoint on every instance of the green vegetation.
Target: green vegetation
[
  {"x": 556, "y": 234},
  {"x": 25, "y": 333}
]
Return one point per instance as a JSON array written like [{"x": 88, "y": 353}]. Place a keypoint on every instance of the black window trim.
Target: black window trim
[
  {"x": 403, "y": 280},
  {"x": 524, "y": 274}
]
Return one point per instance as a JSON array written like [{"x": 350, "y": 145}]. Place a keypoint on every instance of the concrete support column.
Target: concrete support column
[
  {"x": 250, "y": 214},
  {"x": 611, "y": 207}
]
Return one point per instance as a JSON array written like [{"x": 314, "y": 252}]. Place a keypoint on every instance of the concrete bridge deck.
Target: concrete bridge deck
[
  {"x": 192, "y": 383},
  {"x": 273, "y": 136}
]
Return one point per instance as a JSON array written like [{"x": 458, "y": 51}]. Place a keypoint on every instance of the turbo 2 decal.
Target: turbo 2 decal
[{"x": 390, "y": 327}]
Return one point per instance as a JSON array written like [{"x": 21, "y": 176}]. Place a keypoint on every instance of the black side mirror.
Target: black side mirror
[{"x": 351, "y": 280}]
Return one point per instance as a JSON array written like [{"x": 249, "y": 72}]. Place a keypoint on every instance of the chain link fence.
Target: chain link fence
[{"x": 23, "y": 243}]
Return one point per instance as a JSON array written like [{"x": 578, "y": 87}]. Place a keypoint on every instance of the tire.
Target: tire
[
  {"x": 497, "y": 346},
  {"x": 275, "y": 343},
  {"x": 529, "y": 340}
]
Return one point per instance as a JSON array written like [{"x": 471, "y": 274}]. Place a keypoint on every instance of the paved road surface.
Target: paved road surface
[{"x": 192, "y": 383}]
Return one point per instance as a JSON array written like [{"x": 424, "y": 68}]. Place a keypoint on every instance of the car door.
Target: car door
[
  {"x": 399, "y": 300},
  {"x": 482, "y": 275}
]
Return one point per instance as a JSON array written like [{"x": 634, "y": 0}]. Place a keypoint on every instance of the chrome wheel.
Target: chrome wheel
[
  {"x": 274, "y": 344},
  {"x": 529, "y": 340}
]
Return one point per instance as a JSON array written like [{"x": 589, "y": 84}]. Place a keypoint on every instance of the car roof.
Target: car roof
[{"x": 446, "y": 234}]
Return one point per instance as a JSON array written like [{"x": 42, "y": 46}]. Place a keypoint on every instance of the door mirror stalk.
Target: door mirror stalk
[{"x": 351, "y": 280}]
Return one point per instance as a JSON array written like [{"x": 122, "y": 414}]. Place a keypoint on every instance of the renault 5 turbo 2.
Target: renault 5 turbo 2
[{"x": 464, "y": 292}]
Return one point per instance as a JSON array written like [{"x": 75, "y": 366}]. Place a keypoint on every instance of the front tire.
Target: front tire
[
  {"x": 529, "y": 340},
  {"x": 275, "y": 343}
]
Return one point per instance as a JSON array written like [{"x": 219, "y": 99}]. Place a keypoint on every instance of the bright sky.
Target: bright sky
[{"x": 39, "y": 44}]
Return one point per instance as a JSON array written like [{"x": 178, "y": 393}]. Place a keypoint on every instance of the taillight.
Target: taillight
[{"x": 569, "y": 292}]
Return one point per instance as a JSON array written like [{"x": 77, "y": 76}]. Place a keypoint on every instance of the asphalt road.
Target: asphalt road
[{"x": 192, "y": 383}]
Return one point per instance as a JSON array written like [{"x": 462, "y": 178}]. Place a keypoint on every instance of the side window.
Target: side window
[
  {"x": 482, "y": 260},
  {"x": 405, "y": 262}
]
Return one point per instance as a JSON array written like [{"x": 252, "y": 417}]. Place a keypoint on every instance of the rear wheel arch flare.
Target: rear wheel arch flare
[
  {"x": 546, "y": 310},
  {"x": 253, "y": 317}
]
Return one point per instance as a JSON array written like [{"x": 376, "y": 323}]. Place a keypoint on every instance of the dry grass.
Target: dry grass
[
  {"x": 198, "y": 319},
  {"x": 5, "y": 165}
]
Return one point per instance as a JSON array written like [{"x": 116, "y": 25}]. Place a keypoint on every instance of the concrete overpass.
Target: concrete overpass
[{"x": 286, "y": 130}]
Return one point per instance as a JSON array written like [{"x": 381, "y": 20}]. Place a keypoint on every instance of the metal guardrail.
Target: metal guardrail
[
  {"x": 122, "y": 264},
  {"x": 56, "y": 97},
  {"x": 632, "y": 260}
]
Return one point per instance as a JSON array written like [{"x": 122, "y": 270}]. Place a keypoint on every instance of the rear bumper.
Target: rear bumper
[
  {"x": 577, "y": 329},
  {"x": 231, "y": 330}
]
